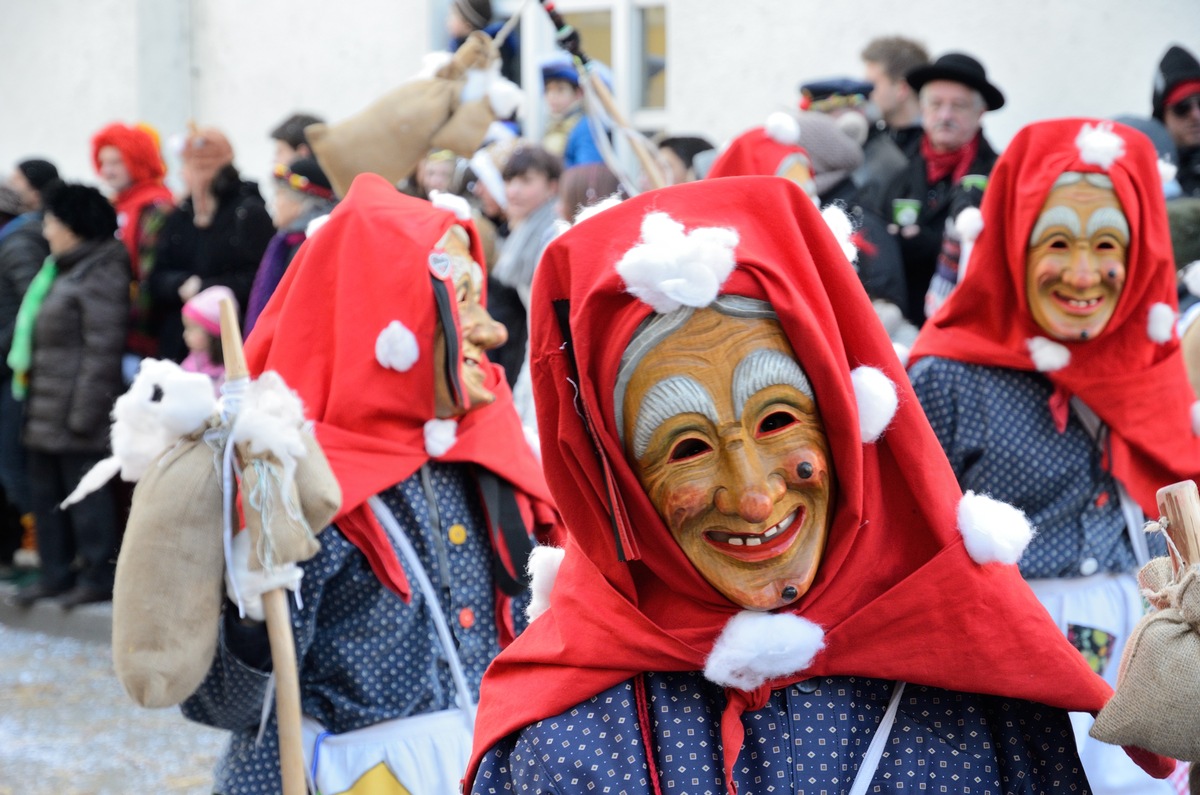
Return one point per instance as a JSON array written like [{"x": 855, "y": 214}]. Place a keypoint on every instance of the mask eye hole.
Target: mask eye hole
[
  {"x": 689, "y": 448},
  {"x": 774, "y": 422}
]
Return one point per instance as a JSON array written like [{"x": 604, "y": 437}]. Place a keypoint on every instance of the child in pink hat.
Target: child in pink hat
[{"x": 202, "y": 333}]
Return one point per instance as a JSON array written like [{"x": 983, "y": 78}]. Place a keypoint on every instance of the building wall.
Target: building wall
[{"x": 70, "y": 66}]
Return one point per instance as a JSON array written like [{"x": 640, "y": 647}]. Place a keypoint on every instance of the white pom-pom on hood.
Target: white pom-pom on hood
[
  {"x": 598, "y": 207},
  {"x": 967, "y": 226},
  {"x": 396, "y": 347},
  {"x": 1196, "y": 418},
  {"x": 992, "y": 531},
  {"x": 783, "y": 128},
  {"x": 1167, "y": 170},
  {"x": 440, "y": 436},
  {"x": 1191, "y": 277},
  {"x": 504, "y": 97},
  {"x": 670, "y": 268},
  {"x": 843, "y": 229},
  {"x": 1099, "y": 145},
  {"x": 877, "y": 402},
  {"x": 315, "y": 224},
  {"x": 270, "y": 421},
  {"x": 755, "y": 648},
  {"x": 1047, "y": 355},
  {"x": 1161, "y": 323},
  {"x": 543, "y": 565},
  {"x": 444, "y": 200}
]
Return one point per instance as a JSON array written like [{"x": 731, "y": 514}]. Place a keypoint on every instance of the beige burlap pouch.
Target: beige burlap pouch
[
  {"x": 464, "y": 131},
  {"x": 1157, "y": 700},
  {"x": 169, "y": 582},
  {"x": 283, "y": 521}
]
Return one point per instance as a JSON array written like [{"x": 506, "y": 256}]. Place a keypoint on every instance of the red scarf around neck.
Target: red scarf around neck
[{"x": 955, "y": 163}]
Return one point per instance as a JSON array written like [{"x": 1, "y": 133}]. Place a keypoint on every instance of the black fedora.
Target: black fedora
[{"x": 960, "y": 68}]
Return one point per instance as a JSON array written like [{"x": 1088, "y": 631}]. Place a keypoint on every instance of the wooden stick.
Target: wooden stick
[
  {"x": 1180, "y": 504},
  {"x": 275, "y": 610},
  {"x": 649, "y": 165}
]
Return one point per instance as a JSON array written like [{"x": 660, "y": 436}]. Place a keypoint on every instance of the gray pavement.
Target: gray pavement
[{"x": 66, "y": 725}]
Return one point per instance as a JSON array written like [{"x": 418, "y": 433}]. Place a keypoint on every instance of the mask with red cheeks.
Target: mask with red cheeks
[{"x": 723, "y": 433}]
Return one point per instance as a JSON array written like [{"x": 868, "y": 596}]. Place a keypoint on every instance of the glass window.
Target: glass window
[
  {"x": 651, "y": 54},
  {"x": 595, "y": 33}
]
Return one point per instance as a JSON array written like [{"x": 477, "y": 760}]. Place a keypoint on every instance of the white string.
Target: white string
[
  {"x": 231, "y": 402},
  {"x": 870, "y": 760}
]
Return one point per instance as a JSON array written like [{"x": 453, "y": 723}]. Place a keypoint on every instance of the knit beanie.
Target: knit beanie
[
  {"x": 205, "y": 307},
  {"x": 206, "y": 151},
  {"x": 10, "y": 201},
  {"x": 39, "y": 173},
  {"x": 476, "y": 13},
  {"x": 139, "y": 148},
  {"x": 1176, "y": 68},
  {"x": 832, "y": 152}
]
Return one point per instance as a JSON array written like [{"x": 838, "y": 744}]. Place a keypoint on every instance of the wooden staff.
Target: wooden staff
[
  {"x": 275, "y": 609},
  {"x": 1180, "y": 504}
]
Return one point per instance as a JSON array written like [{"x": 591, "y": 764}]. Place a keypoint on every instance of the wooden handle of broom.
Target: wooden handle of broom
[
  {"x": 275, "y": 610},
  {"x": 645, "y": 157},
  {"x": 1180, "y": 504}
]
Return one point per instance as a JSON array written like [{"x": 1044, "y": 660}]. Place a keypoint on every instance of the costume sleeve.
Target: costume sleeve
[
  {"x": 252, "y": 233},
  {"x": 20, "y": 261},
  {"x": 103, "y": 311},
  {"x": 511, "y": 766},
  {"x": 937, "y": 390},
  {"x": 172, "y": 262},
  {"x": 581, "y": 146}
]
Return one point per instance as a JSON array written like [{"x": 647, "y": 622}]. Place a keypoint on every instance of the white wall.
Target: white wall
[
  {"x": 67, "y": 67},
  {"x": 732, "y": 65}
]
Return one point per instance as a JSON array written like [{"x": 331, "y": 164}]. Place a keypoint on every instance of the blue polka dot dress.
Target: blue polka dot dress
[
  {"x": 364, "y": 655},
  {"x": 810, "y": 738}
]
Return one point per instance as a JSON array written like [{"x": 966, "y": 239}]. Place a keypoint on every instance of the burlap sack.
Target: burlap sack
[
  {"x": 465, "y": 130},
  {"x": 169, "y": 581},
  {"x": 293, "y": 518},
  {"x": 1157, "y": 702}
]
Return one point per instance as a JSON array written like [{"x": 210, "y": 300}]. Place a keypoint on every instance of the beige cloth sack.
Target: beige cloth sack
[
  {"x": 391, "y": 134},
  {"x": 295, "y": 517},
  {"x": 169, "y": 582},
  {"x": 1157, "y": 700}
]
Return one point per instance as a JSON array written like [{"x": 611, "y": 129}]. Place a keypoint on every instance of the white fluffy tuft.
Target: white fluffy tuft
[
  {"x": 431, "y": 62},
  {"x": 598, "y": 207},
  {"x": 843, "y": 229},
  {"x": 1167, "y": 170},
  {"x": 1191, "y": 277},
  {"x": 902, "y": 352},
  {"x": 992, "y": 531},
  {"x": 670, "y": 268},
  {"x": 444, "y": 200},
  {"x": 315, "y": 224},
  {"x": 270, "y": 421},
  {"x": 1196, "y": 418},
  {"x": 543, "y": 571},
  {"x": 440, "y": 436},
  {"x": 396, "y": 347},
  {"x": 1047, "y": 355},
  {"x": 969, "y": 223},
  {"x": 784, "y": 128},
  {"x": 505, "y": 97},
  {"x": 877, "y": 401},
  {"x": 1099, "y": 145},
  {"x": 1161, "y": 324},
  {"x": 757, "y": 647}
]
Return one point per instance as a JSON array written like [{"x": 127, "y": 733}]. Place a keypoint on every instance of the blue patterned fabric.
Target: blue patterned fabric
[
  {"x": 365, "y": 656},
  {"x": 997, "y": 431},
  {"x": 810, "y": 738}
]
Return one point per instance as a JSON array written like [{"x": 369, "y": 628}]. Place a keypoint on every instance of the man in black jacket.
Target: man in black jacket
[
  {"x": 1176, "y": 103},
  {"x": 951, "y": 164}
]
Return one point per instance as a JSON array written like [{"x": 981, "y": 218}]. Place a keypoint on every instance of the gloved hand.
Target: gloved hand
[{"x": 251, "y": 585}]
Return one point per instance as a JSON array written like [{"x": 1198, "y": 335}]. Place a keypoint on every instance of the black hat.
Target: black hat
[
  {"x": 1177, "y": 66},
  {"x": 959, "y": 68},
  {"x": 291, "y": 129},
  {"x": 83, "y": 210},
  {"x": 476, "y": 13},
  {"x": 39, "y": 173},
  {"x": 832, "y": 93},
  {"x": 305, "y": 176}
]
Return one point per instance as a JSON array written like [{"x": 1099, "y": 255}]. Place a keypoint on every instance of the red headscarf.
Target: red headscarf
[
  {"x": 897, "y": 595},
  {"x": 1137, "y": 386},
  {"x": 371, "y": 264},
  {"x": 757, "y": 151},
  {"x": 139, "y": 151}
]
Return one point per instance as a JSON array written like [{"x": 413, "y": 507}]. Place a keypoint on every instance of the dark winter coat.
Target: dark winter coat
[
  {"x": 22, "y": 252},
  {"x": 226, "y": 252},
  {"x": 1189, "y": 171},
  {"x": 78, "y": 340}
]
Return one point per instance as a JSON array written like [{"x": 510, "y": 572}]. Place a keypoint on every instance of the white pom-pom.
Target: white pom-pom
[
  {"x": 877, "y": 401},
  {"x": 1196, "y": 418},
  {"x": 315, "y": 224},
  {"x": 431, "y": 62},
  {"x": 396, "y": 347},
  {"x": 783, "y": 127},
  {"x": 505, "y": 98},
  {"x": 543, "y": 571},
  {"x": 969, "y": 224},
  {"x": 598, "y": 207},
  {"x": 902, "y": 352},
  {"x": 1099, "y": 145},
  {"x": 270, "y": 421},
  {"x": 843, "y": 229},
  {"x": 1047, "y": 355},
  {"x": 444, "y": 200},
  {"x": 992, "y": 531},
  {"x": 1167, "y": 170},
  {"x": 440, "y": 436},
  {"x": 1191, "y": 277},
  {"x": 757, "y": 647},
  {"x": 670, "y": 268},
  {"x": 1161, "y": 325}
]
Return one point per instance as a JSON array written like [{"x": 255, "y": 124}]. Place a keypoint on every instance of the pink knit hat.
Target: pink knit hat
[{"x": 205, "y": 307}]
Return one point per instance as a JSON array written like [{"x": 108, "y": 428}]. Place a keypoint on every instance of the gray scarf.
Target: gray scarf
[{"x": 523, "y": 248}]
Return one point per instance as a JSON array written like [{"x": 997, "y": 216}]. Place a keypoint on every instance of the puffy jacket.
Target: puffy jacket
[
  {"x": 22, "y": 251},
  {"x": 78, "y": 339}
]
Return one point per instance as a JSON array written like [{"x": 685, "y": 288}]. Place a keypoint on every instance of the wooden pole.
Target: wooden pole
[
  {"x": 275, "y": 610},
  {"x": 1180, "y": 504},
  {"x": 645, "y": 157}
]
